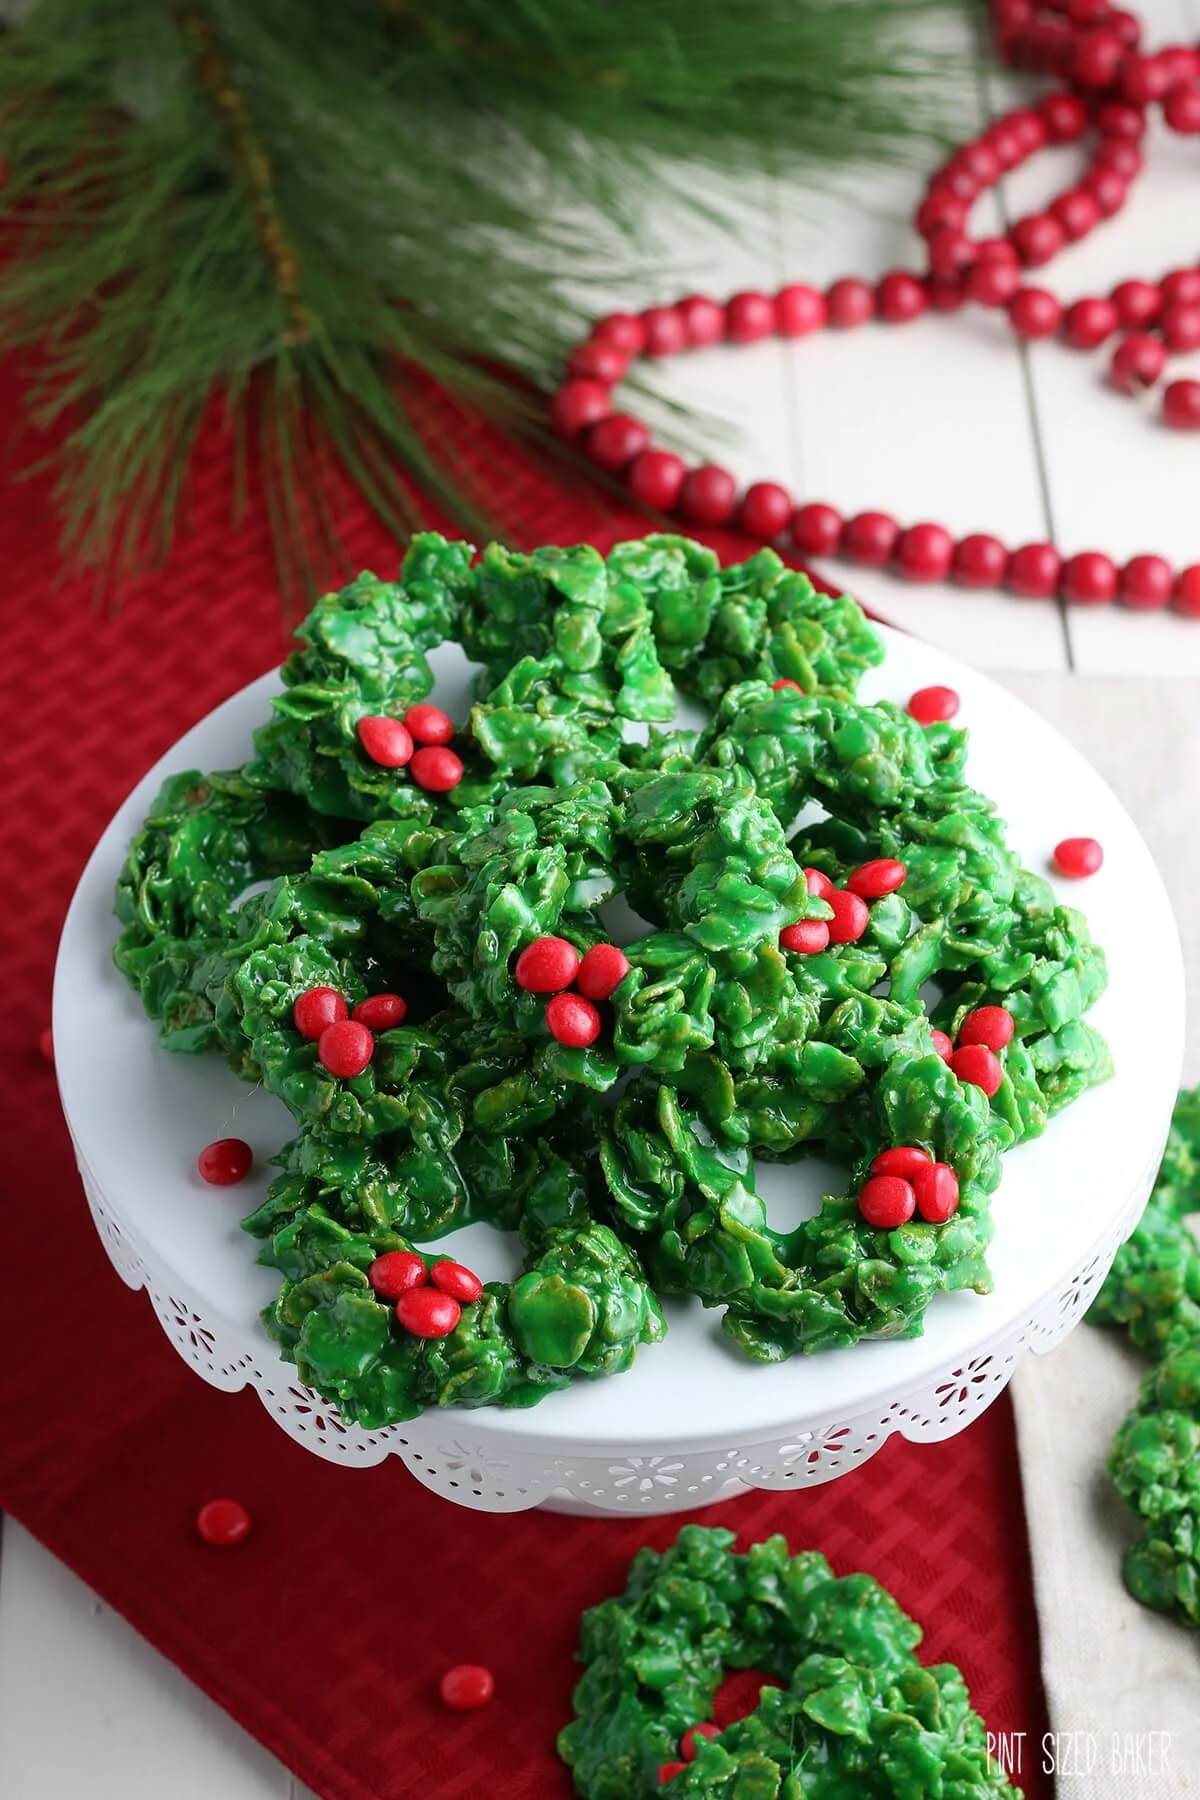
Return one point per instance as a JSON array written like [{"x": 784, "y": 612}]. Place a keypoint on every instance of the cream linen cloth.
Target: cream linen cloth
[{"x": 1123, "y": 1684}]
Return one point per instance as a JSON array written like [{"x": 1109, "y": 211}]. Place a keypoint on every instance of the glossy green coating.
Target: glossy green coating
[
  {"x": 727, "y": 1048},
  {"x": 859, "y": 1717}
]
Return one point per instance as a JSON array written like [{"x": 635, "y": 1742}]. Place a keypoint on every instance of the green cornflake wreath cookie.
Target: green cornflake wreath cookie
[
  {"x": 859, "y": 1717},
  {"x": 1153, "y": 1290},
  {"x": 625, "y": 1162}
]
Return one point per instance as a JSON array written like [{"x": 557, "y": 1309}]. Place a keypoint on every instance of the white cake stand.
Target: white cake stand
[{"x": 693, "y": 1422}]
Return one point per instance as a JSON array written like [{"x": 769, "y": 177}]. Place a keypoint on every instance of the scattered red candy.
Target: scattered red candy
[
  {"x": 978, "y": 1066},
  {"x": 429, "y": 724},
  {"x": 936, "y": 1190},
  {"x": 668, "y": 1772},
  {"x": 875, "y": 879},
  {"x": 381, "y": 1012},
  {"x": 887, "y": 1201},
  {"x": 602, "y": 970},
  {"x": 905, "y": 1160},
  {"x": 785, "y": 681},
  {"x": 807, "y": 937},
  {"x": 933, "y": 705},
  {"x": 428, "y": 1313},
  {"x": 466, "y": 1686},
  {"x": 225, "y": 1162},
  {"x": 1078, "y": 857},
  {"x": 316, "y": 1008},
  {"x": 455, "y": 1279},
  {"x": 573, "y": 1020},
  {"x": 395, "y": 1272},
  {"x": 345, "y": 1048},
  {"x": 687, "y": 1743},
  {"x": 989, "y": 1025},
  {"x": 851, "y": 916},
  {"x": 546, "y": 966},
  {"x": 818, "y": 883},
  {"x": 46, "y": 1043},
  {"x": 387, "y": 742},
  {"x": 436, "y": 769},
  {"x": 223, "y": 1523},
  {"x": 942, "y": 1045}
]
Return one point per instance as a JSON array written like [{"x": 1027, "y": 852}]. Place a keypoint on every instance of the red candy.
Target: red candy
[
  {"x": 851, "y": 916},
  {"x": 466, "y": 1686},
  {"x": 1078, "y": 857},
  {"x": 380, "y": 1012},
  {"x": 978, "y": 1067},
  {"x": 905, "y": 1160},
  {"x": 396, "y": 1272},
  {"x": 936, "y": 1191},
  {"x": 46, "y": 1043},
  {"x": 990, "y": 1025},
  {"x": 807, "y": 937},
  {"x": 426, "y": 1312},
  {"x": 345, "y": 1048},
  {"x": 602, "y": 970},
  {"x": 785, "y": 681},
  {"x": 546, "y": 966},
  {"x": 573, "y": 1020},
  {"x": 223, "y": 1523},
  {"x": 818, "y": 883},
  {"x": 933, "y": 705},
  {"x": 687, "y": 1743},
  {"x": 942, "y": 1044},
  {"x": 387, "y": 742},
  {"x": 436, "y": 769},
  {"x": 887, "y": 1201},
  {"x": 316, "y": 1008},
  {"x": 225, "y": 1162},
  {"x": 455, "y": 1279},
  {"x": 429, "y": 724},
  {"x": 874, "y": 879},
  {"x": 668, "y": 1771}
]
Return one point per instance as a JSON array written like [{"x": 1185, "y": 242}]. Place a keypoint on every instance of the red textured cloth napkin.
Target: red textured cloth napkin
[{"x": 325, "y": 1633}]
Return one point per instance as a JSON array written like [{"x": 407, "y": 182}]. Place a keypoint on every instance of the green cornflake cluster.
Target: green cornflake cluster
[
  {"x": 627, "y": 1167},
  {"x": 859, "y": 1717},
  {"x": 1153, "y": 1290}
]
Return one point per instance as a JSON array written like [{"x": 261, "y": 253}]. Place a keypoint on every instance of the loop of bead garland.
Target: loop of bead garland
[{"x": 1094, "y": 48}]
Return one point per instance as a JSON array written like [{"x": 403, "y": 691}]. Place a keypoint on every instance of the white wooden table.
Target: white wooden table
[{"x": 947, "y": 419}]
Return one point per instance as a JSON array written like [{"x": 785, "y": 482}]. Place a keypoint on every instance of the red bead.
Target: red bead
[
  {"x": 816, "y": 529},
  {"x": 703, "y": 320},
  {"x": 1137, "y": 362},
  {"x": 455, "y": 1279},
  {"x": 387, "y": 742},
  {"x": 1033, "y": 571},
  {"x": 687, "y": 1743},
  {"x": 750, "y": 316},
  {"x": 1078, "y": 857},
  {"x": 223, "y": 1523},
  {"x": 980, "y": 160},
  {"x": 572, "y": 1020},
  {"x": 1137, "y": 302},
  {"x": 945, "y": 296},
  {"x": 1117, "y": 121},
  {"x": 316, "y": 1008},
  {"x": 1006, "y": 143},
  {"x": 466, "y": 1686},
  {"x": 666, "y": 333},
  {"x": 886, "y": 1201},
  {"x": 1147, "y": 583},
  {"x": 1089, "y": 579},
  {"x": 1064, "y": 116},
  {"x": 1182, "y": 64},
  {"x": 1077, "y": 211},
  {"x": 1187, "y": 592},
  {"x": 602, "y": 971},
  {"x": 225, "y": 1162},
  {"x": 990, "y": 1025},
  {"x": 1119, "y": 155},
  {"x": 668, "y": 1771},
  {"x": 598, "y": 362},
  {"x": 905, "y": 1160},
  {"x": 1181, "y": 405},
  {"x": 992, "y": 283},
  {"x": 395, "y": 1272},
  {"x": 1145, "y": 79},
  {"x": 578, "y": 404},
  {"x": 624, "y": 331},
  {"x": 851, "y": 916},
  {"x": 381, "y": 1012},
  {"x": 942, "y": 1045},
  {"x": 1181, "y": 110},
  {"x": 546, "y": 966},
  {"x": 1084, "y": 12},
  {"x": 807, "y": 937},
  {"x": 874, "y": 879},
  {"x": 869, "y": 538},
  {"x": 765, "y": 510},
  {"x": 978, "y": 1067},
  {"x": 1181, "y": 287},
  {"x": 934, "y": 705},
  {"x": 655, "y": 478},
  {"x": 995, "y": 250},
  {"x": 1097, "y": 58},
  {"x": 1037, "y": 239},
  {"x": 1128, "y": 28},
  {"x": 785, "y": 684},
  {"x": 936, "y": 1192},
  {"x": 924, "y": 552},
  {"x": 1034, "y": 313},
  {"x": 950, "y": 252},
  {"x": 708, "y": 495},
  {"x": 615, "y": 441},
  {"x": 899, "y": 297},
  {"x": 849, "y": 302},
  {"x": 1089, "y": 322},
  {"x": 798, "y": 310},
  {"x": 979, "y": 561},
  {"x": 1107, "y": 189},
  {"x": 426, "y": 1312},
  {"x": 429, "y": 724},
  {"x": 1030, "y": 128},
  {"x": 436, "y": 769},
  {"x": 818, "y": 883},
  {"x": 940, "y": 211},
  {"x": 46, "y": 1044},
  {"x": 954, "y": 179},
  {"x": 1180, "y": 326},
  {"x": 345, "y": 1048}
]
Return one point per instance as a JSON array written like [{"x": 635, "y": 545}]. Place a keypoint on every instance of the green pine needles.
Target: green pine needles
[{"x": 312, "y": 212}]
